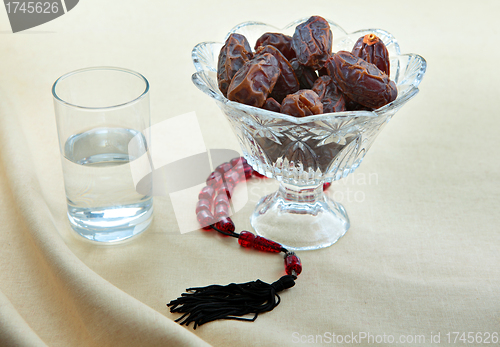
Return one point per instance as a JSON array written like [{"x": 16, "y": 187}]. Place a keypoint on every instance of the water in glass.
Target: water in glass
[{"x": 103, "y": 202}]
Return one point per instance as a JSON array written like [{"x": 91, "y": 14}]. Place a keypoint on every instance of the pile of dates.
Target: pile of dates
[{"x": 300, "y": 76}]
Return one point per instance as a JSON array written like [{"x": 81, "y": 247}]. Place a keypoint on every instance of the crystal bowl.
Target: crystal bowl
[{"x": 303, "y": 153}]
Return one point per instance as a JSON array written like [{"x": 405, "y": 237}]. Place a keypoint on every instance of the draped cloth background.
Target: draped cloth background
[{"x": 421, "y": 257}]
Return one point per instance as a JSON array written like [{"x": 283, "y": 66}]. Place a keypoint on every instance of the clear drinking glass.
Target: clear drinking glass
[{"x": 100, "y": 112}]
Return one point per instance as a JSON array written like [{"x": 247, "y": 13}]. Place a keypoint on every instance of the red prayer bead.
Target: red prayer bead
[
  {"x": 223, "y": 168},
  {"x": 205, "y": 218},
  {"x": 248, "y": 171},
  {"x": 239, "y": 169},
  {"x": 215, "y": 180},
  {"x": 292, "y": 263},
  {"x": 226, "y": 225},
  {"x": 265, "y": 245},
  {"x": 221, "y": 199},
  {"x": 246, "y": 239},
  {"x": 326, "y": 185},
  {"x": 227, "y": 189},
  {"x": 232, "y": 177},
  {"x": 238, "y": 165},
  {"x": 208, "y": 192},
  {"x": 203, "y": 204},
  {"x": 221, "y": 211}
]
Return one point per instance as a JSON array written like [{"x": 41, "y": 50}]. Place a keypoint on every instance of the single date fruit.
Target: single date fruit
[
  {"x": 371, "y": 49},
  {"x": 282, "y": 42},
  {"x": 303, "y": 103},
  {"x": 312, "y": 42},
  {"x": 287, "y": 82},
  {"x": 252, "y": 84},
  {"x": 272, "y": 105},
  {"x": 330, "y": 95},
  {"x": 233, "y": 55},
  {"x": 361, "y": 81},
  {"x": 354, "y": 106}
]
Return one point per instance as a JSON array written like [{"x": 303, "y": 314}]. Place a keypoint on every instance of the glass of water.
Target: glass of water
[{"x": 102, "y": 116}]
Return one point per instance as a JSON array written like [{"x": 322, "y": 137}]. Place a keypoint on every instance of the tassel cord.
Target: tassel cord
[
  {"x": 233, "y": 234},
  {"x": 205, "y": 304}
]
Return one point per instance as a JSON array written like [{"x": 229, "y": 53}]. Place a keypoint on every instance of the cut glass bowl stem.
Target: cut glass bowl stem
[{"x": 300, "y": 218}]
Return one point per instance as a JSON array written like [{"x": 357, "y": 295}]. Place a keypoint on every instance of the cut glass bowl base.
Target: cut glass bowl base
[{"x": 303, "y": 219}]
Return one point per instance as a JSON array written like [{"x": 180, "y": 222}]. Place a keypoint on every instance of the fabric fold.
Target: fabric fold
[
  {"x": 14, "y": 329},
  {"x": 96, "y": 313}
]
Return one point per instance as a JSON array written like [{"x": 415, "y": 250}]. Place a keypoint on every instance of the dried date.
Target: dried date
[
  {"x": 305, "y": 74},
  {"x": 303, "y": 103},
  {"x": 272, "y": 105},
  {"x": 330, "y": 95},
  {"x": 233, "y": 55},
  {"x": 371, "y": 49},
  {"x": 287, "y": 81},
  {"x": 312, "y": 42},
  {"x": 252, "y": 84},
  {"x": 323, "y": 86},
  {"x": 333, "y": 104},
  {"x": 354, "y": 106},
  {"x": 361, "y": 81},
  {"x": 282, "y": 42}
]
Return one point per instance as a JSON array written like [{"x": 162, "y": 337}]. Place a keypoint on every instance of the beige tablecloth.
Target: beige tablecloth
[{"x": 421, "y": 257}]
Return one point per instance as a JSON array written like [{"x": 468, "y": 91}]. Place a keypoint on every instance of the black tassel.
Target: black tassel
[{"x": 214, "y": 302}]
